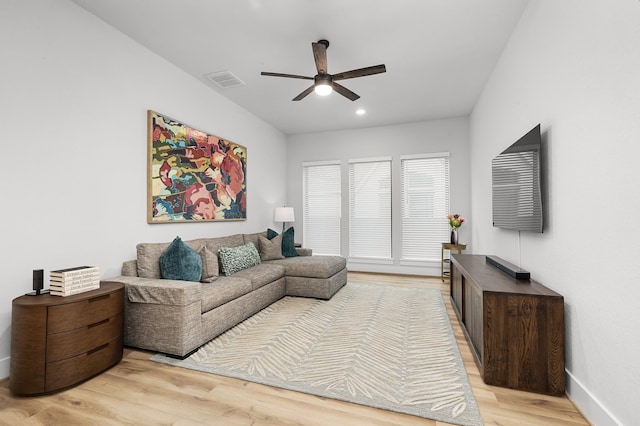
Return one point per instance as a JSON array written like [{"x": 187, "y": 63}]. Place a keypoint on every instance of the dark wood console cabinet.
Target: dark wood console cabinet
[
  {"x": 515, "y": 327},
  {"x": 57, "y": 342}
]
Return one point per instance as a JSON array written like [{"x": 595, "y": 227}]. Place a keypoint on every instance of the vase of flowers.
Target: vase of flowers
[{"x": 455, "y": 222}]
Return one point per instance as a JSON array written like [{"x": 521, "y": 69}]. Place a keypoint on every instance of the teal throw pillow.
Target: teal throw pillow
[
  {"x": 180, "y": 262},
  {"x": 234, "y": 259},
  {"x": 288, "y": 244},
  {"x": 288, "y": 241}
]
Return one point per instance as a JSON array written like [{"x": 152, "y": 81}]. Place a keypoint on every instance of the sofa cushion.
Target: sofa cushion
[
  {"x": 148, "y": 257},
  {"x": 161, "y": 292},
  {"x": 222, "y": 291},
  {"x": 130, "y": 268},
  {"x": 215, "y": 244},
  {"x": 254, "y": 238},
  {"x": 234, "y": 259},
  {"x": 262, "y": 274},
  {"x": 180, "y": 262},
  {"x": 209, "y": 265},
  {"x": 271, "y": 249},
  {"x": 312, "y": 266}
]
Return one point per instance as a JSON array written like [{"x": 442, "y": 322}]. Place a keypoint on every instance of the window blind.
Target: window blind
[
  {"x": 370, "y": 208},
  {"x": 425, "y": 206},
  {"x": 321, "y": 207}
]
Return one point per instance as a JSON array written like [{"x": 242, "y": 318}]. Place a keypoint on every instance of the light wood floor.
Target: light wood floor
[{"x": 141, "y": 392}]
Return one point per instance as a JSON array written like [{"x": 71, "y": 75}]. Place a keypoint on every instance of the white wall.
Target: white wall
[
  {"x": 574, "y": 67},
  {"x": 450, "y": 135},
  {"x": 73, "y": 99}
]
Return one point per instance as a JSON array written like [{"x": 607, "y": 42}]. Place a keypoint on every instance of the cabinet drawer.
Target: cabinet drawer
[
  {"x": 84, "y": 312},
  {"x": 62, "y": 374},
  {"x": 68, "y": 344}
]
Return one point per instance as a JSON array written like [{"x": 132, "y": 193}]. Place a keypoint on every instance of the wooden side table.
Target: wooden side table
[
  {"x": 57, "y": 342},
  {"x": 451, "y": 247}
]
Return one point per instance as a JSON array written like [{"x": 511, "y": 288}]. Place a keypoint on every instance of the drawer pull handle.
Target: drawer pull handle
[
  {"x": 95, "y": 299},
  {"x": 99, "y": 348},
  {"x": 95, "y": 324}
]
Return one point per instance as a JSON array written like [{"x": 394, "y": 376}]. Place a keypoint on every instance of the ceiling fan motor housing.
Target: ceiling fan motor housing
[
  {"x": 325, "y": 42},
  {"x": 323, "y": 79}
]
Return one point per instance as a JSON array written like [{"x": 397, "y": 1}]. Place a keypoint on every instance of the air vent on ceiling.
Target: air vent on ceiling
[{"x": 224, "y": 79}]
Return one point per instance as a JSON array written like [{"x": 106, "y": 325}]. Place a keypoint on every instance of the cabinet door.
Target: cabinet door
[
  {"x": 473, "y": 317},
  {"x": 457, "y": 291}
]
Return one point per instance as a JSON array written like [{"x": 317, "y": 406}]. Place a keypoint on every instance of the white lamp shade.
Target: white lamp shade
[{"x": 284, "y": 214}]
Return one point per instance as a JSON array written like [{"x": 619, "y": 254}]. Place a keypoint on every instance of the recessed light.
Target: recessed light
[{"x": 360, "y": 111}]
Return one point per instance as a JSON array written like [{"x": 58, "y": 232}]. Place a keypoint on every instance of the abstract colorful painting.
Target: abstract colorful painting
[{"x": 193, "y": 176}]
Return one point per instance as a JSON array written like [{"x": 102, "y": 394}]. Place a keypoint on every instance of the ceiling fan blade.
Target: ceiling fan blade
[
  {"x": 277, "y": 74},
  {"x": 320, "y": 56},
  {"x": 304, "y": 94},
  {"x": 345, "y": 92},
  {"x": 376, "y": 69}
]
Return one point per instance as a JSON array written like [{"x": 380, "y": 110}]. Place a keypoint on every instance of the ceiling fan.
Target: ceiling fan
[{"x": 323, "y": 82}]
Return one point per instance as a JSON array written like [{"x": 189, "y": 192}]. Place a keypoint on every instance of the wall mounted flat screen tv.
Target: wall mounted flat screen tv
[{"x": 516, "y": 194}]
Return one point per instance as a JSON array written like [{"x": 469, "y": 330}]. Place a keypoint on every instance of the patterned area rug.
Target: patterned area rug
[{"x": 382, "y": 346}]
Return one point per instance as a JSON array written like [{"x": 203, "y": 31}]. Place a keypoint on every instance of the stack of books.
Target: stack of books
[{"x": 70, "y": 281}]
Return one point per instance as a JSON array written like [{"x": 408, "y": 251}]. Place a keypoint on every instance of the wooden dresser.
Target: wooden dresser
[
  {"x": 57, "y": 342},
  {"x": 515, "y": 327}
]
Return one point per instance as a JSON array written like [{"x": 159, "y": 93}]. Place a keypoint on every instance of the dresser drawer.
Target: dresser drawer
[
  {"x": 84, "y": 312},
  {"x": 62, "y": 374},
  {"x": 68, "y": 344}
]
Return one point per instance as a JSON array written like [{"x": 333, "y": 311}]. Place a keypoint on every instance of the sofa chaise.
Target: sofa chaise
[{"x": 176, "y": 317}]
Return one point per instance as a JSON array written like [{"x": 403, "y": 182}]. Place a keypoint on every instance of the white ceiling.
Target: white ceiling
[{"x": 438, "y": 53}]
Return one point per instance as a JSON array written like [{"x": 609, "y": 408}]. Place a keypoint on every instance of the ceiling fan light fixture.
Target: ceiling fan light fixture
[
  {"x": 323, "y": 89},
  {"x": 322, "y": 85}
]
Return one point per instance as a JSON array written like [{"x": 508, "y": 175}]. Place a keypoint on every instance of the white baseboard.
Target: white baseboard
[
  {"x": 4, "y": 368},
  {"x": 590, "y": 406}
]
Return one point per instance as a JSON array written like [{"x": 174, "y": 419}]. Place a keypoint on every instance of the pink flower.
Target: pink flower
[{"x": 455, "y": 220}]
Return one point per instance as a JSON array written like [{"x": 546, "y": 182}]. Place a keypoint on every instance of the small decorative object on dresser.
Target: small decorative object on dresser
[
  {"x": 58, "y": 342},
  {"x": 70, "y": 281},
  {"x": 38, "y": 283},
  {"x": 455, "y": 222}
]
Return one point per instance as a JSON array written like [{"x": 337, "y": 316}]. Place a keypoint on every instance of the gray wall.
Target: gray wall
[
  {"x": 449, "y": 135},
  {"x": 574, "y": 67}
]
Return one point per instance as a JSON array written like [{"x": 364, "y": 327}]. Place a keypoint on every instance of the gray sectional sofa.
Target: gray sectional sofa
[{"x": 176, "y": 317}]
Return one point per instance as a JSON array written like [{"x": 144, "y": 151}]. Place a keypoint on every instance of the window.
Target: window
[
  {"x": 370, "y": 209},
  {"x": 425, "y": 206},
  {"x": 321, "y": 207}
]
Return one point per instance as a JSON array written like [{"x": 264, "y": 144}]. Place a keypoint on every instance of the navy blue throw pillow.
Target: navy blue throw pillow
[
  {"x": 180, "y": 262},
  {"x": 288, "y": 241}
]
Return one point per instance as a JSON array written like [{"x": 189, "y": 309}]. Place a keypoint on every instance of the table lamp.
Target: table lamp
[{"x": 284, "y": 214}]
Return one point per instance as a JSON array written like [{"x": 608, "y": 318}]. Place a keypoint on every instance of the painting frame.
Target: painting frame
[{"x": 193, "y": 176}]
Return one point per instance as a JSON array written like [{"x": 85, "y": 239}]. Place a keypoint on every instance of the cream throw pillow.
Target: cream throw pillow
[
  {"x": 271, "y": 249},
  {"x": 209, "y": 265}
]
